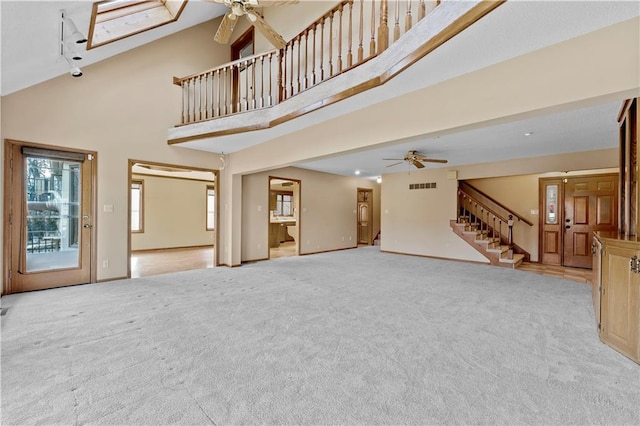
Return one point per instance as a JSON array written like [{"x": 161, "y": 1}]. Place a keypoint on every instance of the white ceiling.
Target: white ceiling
[{"x": 30, "y": 37}]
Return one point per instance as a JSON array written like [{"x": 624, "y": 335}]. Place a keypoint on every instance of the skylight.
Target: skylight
[{"x": 113, "y": 20}]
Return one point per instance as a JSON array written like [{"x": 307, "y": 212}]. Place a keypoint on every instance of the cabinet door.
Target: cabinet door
[{"x": 620, "y": 304}]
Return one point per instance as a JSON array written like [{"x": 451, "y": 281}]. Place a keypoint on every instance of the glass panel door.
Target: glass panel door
[{"x": 52, "y": 223}]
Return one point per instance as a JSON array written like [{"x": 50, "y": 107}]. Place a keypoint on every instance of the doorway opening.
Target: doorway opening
[
  {"x": 172, "y": 217},
  {"x": 243, "y": 47},
  {"x": 50, "y": 206},
  {"x": 571, "y": 209},
  {"x": 365, "y": 216},
  {"x": 284, "y": 217}
]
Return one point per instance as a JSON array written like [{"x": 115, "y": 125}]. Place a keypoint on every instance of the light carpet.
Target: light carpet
[{"x": 349, "y": 337}]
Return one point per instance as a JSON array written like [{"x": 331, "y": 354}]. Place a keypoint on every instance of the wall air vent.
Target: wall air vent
[{"x": 428, "y": 185}]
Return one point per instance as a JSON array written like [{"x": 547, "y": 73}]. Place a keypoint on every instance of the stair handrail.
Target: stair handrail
[
  {"x": 467, "y": 188},
  {"x": 178, "y": 80}
]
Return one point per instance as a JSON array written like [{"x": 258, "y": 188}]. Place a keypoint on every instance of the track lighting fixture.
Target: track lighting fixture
[
  {"x": 76, "y": 36},
  {"x": 71, "y": 52},
  {"x": 73, "y": 70},
  {"x": 67, "y": 48}
]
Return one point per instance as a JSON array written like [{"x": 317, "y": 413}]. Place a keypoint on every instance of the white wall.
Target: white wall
[
  {"x": 328, "y": 218},
  {"x": 175, "y": 214}
]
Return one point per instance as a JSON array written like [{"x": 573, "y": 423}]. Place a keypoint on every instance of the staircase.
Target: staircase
[
  {"x": 490, "y": 247},
  {"x": 487, "y": 225}
]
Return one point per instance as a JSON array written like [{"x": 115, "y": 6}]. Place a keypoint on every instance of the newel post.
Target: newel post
[
  {"x": 383, "y": 29},
  {"x": 510, "y": 224}
]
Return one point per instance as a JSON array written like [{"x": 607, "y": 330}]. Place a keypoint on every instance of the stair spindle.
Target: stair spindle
[
  {"x": 396, "y": 26},
  {"x": 361, "y": 32}
]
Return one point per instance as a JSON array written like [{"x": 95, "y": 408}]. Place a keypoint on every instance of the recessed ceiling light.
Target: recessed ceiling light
[
  {"x": 357, "y": 172},
  {"x": 379, "y": 180},
  {"x": 528, "y": 134}
]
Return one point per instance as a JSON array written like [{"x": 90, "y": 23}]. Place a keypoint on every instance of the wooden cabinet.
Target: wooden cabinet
[{"x": 619, "y": 293}]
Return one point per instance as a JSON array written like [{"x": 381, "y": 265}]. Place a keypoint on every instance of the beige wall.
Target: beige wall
[
  {"x": 417, "y": 221},
  {"x": 175, "y": 213},
  {"x": 121, "y": 108},
  {"x": 327, "y": 212}
]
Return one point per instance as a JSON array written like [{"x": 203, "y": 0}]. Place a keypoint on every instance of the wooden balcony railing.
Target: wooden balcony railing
[{"x": 348, "y": 35}]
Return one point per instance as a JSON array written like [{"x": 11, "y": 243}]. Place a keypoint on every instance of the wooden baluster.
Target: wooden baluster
[
  {"x": 299, "y": 51},
  {"x": 218, "y": 109},
  {"x": 499, "y": 242},
  {"x": 372, "y": 43},
  {"x": 340, "y": 40},
  {"x": 182, "y": 115},
  {"x": 408, "y": 22},
  {"x": 246, "y": 88},
  {"x": 383, "y": 29},
  {"x": 493, "y": 233},
  {"x": 306, "y": 57},
  {"x": 476, "y": 217},
  {"x": 331, "y": 44},
  {"x": 212, "y": 94},
  {"x": 200, "y": 98},
  {"x": 293, "y": 43},
  {"x": 270, "y": 77},
  {"x": 350, "y": 35},
  {"x": 225, "y": 84},
  {"x": 253, "y": 83},
  {"x": 396, "y": 26},
  {"x": 192, "y": 95},
  {"x": 262, "y": 102},
  {"x": 313, "y": 57},
  {"x": 422, "y": 10},
  {"x": 361, "y": 33},
  {"x": 322, "y": 49},
  {"x": 282, "y": 74}
]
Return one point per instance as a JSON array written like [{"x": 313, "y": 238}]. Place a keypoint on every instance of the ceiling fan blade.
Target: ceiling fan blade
[
  {"x": 267, "y": 31},
  {"x": 434, "y": 160},
  {"x": 226, "y": 28},
  {"x": 394, "y": 159},
  {"x": 395, "y": 164},
  {"x": 418, "y": 164}
]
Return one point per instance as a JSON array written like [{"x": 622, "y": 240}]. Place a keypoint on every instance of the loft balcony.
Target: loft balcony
[{"x": 356, "y": 46}]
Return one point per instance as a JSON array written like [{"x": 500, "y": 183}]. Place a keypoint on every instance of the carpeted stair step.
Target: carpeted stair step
[
  {"x": 517, "y": 260},
  {"x": 499, "y": 249}
]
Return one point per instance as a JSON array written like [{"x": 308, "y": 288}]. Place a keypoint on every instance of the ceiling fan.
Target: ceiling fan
[
  {"x": 239, "y": 8},
  {"x": 414, "y": 158}
]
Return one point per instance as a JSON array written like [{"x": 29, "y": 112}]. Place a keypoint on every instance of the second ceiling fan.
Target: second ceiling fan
[
  {"x": 246, "y": 8},
  {"x": 415, "y": 159}
]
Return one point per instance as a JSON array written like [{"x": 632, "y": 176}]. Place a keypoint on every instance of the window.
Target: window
[
  {"x": 284, "y": 204},
  {"x": 113, "y": 20},
  {"x": 137, "y": 203},
  {"x": 211, "y": 208}
]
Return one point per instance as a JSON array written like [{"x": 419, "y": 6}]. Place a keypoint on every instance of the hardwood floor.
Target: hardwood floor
[
  {"x": 146, "y": 263},
  {"x": 573, "y": 274},
  {"x": 285, "y": 249}
]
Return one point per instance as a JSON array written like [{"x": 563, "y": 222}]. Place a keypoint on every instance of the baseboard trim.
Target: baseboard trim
[
  {"x": 328, "y": 251},
  {"x": 172, "y": 248},
  {"x": 106, "y": 280},
  {"x": 476, "y": 262}
]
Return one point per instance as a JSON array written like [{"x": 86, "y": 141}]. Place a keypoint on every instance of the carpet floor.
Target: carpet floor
[{"x": 349, "y": 337}]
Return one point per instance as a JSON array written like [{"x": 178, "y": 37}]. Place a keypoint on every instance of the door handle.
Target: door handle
[
  {"x": 86, "y": 225},
  {"x": 567, "y": 227}
]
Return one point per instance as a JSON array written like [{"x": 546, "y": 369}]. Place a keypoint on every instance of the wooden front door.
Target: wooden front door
[
  {"x": 49, "y": 202},
  {"x": 571, "y": 209},
  {"x": 365, "y": 213},
  {"x": 590, "y": 204}
]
